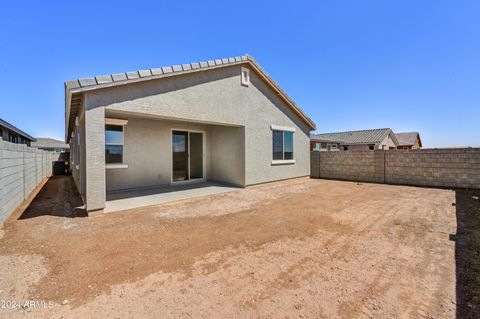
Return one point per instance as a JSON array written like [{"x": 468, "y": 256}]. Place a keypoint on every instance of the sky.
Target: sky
[{"x": 406, "y": 65}]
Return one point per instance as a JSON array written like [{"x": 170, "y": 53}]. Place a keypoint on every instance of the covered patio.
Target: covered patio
[{"x": 135, "y": 198}]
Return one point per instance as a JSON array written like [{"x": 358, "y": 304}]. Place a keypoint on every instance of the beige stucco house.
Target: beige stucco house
[{"x": 221, "y": 120}]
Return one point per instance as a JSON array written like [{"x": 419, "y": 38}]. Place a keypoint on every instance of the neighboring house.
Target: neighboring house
[
  {"x": 223, "y": 120},
  {"x": 375, "y": 139},
  {"x": 50, "y": 144},
  {"x": 12, "y": 134},
  {"x": 323, "y": 144},
  {"x": 409, "y": 140}
]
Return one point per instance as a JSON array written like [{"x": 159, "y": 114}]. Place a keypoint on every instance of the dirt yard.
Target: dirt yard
[{"x": 302, "y": 248}]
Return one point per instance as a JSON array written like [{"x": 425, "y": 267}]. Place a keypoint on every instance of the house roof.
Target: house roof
[
  {"x": 45, "y": 142},
  {"x": 408, "y": 138},
  {"x": 16, "y": 130},
  {"x": 73, "y": 98},
  {"x": 313, "y": 137},
  {"x": 357, "y": 137}
]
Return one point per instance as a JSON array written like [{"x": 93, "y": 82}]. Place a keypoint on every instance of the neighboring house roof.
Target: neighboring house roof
[
  {"x": 16, "y": 130},
  {"x": 408, "y": 138},
  {"x": 45, "y": 142},
  {"x": 358, "y": 137},
  {"x": 315, "y": 138},
  {"x": 73, "y": 100}
]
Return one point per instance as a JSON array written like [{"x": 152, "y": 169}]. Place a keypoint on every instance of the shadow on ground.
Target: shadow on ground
[
  {"x": 467, "y": 253},
  {"x": 58, "y": 197}
]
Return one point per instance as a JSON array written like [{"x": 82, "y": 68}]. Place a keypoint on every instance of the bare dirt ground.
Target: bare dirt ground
[{"x": 302, "y": 248}]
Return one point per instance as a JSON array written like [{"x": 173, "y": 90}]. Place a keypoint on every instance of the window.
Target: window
[
  {"x": 334, "y": 146},
  {"x": 317, "y": 147},
  {"x": 113, "y": 144},
  {"x": 12, "y": 138},
  {"x": 345, "y": 148},
  {"x": 371, "y": 147},
  {"x": 282, "y": 145},
  {"x": 245, "y": 76}
]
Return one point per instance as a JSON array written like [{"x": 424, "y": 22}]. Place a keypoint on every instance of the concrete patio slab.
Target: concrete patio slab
[{"x": 129, "y": 199}]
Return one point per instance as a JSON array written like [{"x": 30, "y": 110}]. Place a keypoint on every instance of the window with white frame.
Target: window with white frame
[
  {"x": 113, "y": 144},
  {"x": 282, "y": 145}
]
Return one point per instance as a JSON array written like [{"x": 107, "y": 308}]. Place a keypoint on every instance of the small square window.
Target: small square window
[{"x": 245, "y": 77}]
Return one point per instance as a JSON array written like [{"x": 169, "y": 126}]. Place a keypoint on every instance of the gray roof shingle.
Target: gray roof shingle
[{"x": 355, "y": 137}]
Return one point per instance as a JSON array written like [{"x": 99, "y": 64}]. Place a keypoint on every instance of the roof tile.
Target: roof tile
[
  {"x": 156, "y": 71},
  {"x": 87, "y": 81},
  {"x": 167, "y": 69},
  {"x": 104, "y": 79},
  {"x": 72, "y": 84},
  {"x": 144, "y": 73},
  {"x": 119, "y": 77},
  {"x": 132, "y": 75}
]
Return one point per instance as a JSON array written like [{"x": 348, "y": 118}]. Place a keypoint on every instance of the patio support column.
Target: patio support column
[{"x": 95, "y": 159}]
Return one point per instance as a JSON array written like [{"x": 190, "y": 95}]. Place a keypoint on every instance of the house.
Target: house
[
  {"x": 409, "y": 140},
  {"x": 318, "y": 144},
  {"x": 12, "y": 134},
  {"x": 375, "y": 139},
  {"x": 50, "y": 144},
  {"x": 221, "y": 120}
]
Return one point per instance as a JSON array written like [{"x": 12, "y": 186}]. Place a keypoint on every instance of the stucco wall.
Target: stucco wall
[
  {"x": 227, "y": 154},
  {"x": 148, "y": 153},
  {"x": 22, "y": 168},
  {"x": 217, "y": 97}
]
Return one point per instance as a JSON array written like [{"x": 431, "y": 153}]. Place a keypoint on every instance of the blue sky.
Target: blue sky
[{"x": 407, "y": 65}]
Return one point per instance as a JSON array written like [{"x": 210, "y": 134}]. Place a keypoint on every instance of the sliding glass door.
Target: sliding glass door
[{"x": 187, "y": 155}]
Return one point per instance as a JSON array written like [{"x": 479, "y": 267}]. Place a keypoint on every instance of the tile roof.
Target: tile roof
[
  {"x": 16, "y": 130},
  {"x": 101, "y": 81},
  {"x": 355, "y": 137},
  {"x": 407, "y": 138},
  {"x": 45, "y": 142},
  {"x": 125, "y": 76}
]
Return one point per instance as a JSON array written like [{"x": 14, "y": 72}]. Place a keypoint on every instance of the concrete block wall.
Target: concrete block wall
[
  {"x": 456, "y": 168},
  {"x": 344, "y": 165},
  {"x": 22, "y": 168}
]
